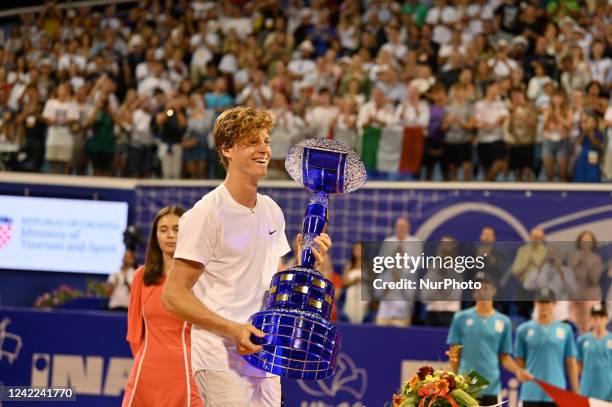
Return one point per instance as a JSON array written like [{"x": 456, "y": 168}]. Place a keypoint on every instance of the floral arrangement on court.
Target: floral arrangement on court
[
  {"x": 441, "y": 388},
  {"x": 61, "y": 295},
  {"x": 65, "y": 293}
]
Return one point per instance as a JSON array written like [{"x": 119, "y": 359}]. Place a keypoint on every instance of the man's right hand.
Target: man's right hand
[{"x": 242, "y": 338}]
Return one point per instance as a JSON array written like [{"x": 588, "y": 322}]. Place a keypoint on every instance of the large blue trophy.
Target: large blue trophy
[{"x": 300, "y": 342}]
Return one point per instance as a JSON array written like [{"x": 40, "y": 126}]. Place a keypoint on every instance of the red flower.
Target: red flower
[
  {"x": 398, "y": 399},
  {"x": 424, "y": 371},
  {"x": 451, "y": 382}
]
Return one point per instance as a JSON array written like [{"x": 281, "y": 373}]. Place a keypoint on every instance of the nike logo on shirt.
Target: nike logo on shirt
[{"x": 272, "y": 232}]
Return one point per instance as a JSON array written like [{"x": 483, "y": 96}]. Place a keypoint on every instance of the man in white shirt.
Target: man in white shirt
[
  {"x": 376, "y": 113},
  {"x": 233, "y": 20},
  {"x": 229, "y": 246},
  {"x": 156, "y": 79},
  {"x": 71, "y": 56},
  {"x": 478, "y": 11},
  {"x": 396, "y": 307},
  {"x": 395, "y": 90},
  {"x": 202, "y": 44},
  {"x": 257, "y": 89},
  {"x": 80, "y": 131},
  {"x": 302, "y": 66},
  {"x": 489, "y": 114},
  {"x": 414, "y": 111},
  {"x": 144, "y": 68},
  {"x": 140, "y": 160},
  {"x": 501, "y": 64},
  {"x": 456, "y": 44},
  {"x": 441, "y": 17},
  {"x": 320, "y": 117},
  {"x": 394, "y": 45}
]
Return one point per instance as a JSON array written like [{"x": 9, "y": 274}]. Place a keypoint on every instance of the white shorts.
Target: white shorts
[{"x": 230, "y": 389}]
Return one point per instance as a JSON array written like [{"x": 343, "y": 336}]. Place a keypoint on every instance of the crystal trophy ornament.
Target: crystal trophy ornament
[{"x": 300, "y": 342}]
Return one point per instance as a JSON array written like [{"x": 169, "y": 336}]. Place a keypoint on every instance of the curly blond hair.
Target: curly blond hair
[{"x": 238, "y": 126}]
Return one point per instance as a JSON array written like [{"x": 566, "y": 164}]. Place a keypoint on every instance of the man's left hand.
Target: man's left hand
[{"x": 323, "y": 241}]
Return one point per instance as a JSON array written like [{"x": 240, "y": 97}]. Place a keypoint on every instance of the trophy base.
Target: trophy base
[{"x": 298, "y": 344}]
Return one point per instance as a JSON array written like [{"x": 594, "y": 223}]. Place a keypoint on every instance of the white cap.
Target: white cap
[
  {"x": 519, "y": 39},
  {"x": 306, "y": 45},
  {"x": 502, "y": 43},
  {"x": 546, "y": 80}
]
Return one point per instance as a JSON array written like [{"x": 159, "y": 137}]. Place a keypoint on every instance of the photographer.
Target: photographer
[
  {"x": 121, "y": 282},
  {"x": 171, "y": 124}
]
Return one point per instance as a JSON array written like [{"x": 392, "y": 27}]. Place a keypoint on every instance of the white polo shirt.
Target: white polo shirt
[
  {"x": 490, "y": 112},
  {"x": 240, "y": 250}
]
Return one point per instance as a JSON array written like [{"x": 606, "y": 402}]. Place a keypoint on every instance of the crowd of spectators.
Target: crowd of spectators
[
  {"x": 578, "y": 274},
  {"x": 502, "y": 89}
]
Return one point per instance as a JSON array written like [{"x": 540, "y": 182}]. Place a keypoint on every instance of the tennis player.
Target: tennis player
[{"x": 229, "y": 246}]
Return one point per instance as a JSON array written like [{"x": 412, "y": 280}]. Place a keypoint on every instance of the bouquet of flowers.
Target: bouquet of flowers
[
  {"x": 97, "y": 288},
  {"x": 441, "y": 388},
  {"x": 59, "y": 296}
]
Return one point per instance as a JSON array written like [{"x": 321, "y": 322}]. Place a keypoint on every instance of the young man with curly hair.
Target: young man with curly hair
[{"x": 229, "y": 246}]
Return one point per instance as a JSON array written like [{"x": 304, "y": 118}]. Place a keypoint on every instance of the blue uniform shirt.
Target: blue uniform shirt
[
  {"x": 483, "y": 340},
  {"x": 596, "y": 357},
  {"x": 545, "y": 349}
]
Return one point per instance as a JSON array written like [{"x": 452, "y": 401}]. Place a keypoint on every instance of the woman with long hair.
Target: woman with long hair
[
  {"x": 556, "y": 148},
  {"x": 354, "y": 308},
  {"x": 160, "y": 342}
]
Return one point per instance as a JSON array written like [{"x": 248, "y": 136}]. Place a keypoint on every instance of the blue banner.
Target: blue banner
[
  {"x": 369, "y": 214},
  {"x": 460, "y": 210},
  {"x": 87, "y": 350}
]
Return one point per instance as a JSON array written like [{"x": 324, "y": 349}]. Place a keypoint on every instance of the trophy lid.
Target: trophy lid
[{"x": 350, "y": 174}]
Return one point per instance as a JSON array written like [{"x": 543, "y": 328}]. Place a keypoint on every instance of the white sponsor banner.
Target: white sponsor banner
[{"x": 67, "y": 235}]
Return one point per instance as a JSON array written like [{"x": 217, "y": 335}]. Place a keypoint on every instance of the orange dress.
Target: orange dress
[{"x": 161, "y": 344}]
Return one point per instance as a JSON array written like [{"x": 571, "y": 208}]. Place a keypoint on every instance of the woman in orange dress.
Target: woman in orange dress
[{"x": 160, "y": 342}]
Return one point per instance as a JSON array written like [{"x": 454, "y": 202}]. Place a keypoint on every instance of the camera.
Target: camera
[{"x": 132, "y": 237}]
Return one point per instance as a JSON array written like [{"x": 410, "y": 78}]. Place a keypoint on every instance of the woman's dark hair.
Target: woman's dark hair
[
  {"x": 584, "y": 233},
  {"x": 154, "y": 263},
  {"x": 600, "y": 92},
  {"x": 354, "y": 259}
]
